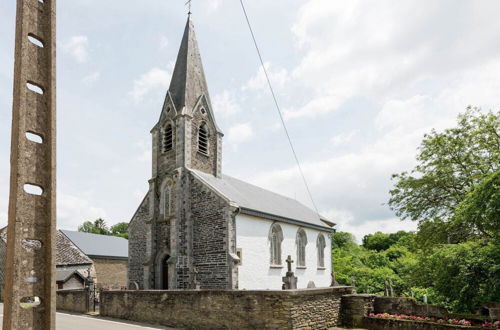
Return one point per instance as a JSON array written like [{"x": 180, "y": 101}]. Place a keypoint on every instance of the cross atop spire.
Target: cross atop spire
[{"x": 188, "y": 3}]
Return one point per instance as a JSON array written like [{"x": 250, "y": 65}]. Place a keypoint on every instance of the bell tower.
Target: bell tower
[{"x": 187, "y": 134}]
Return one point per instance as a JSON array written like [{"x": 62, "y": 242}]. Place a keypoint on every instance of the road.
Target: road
[{"x": 66, "y": 321}]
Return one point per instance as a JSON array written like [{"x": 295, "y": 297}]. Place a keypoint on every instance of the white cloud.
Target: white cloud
[
  {"x": 77, "y": 46},
  {"x": 278, "y": 77},
  {"x": 225, "y": 105},
  {"x": 240, "y": 133},
  {"x": 72, "y": 210},
  {"x": 378, "y": 50},
  {"x": 93, "y": 77},
  {"x": 163, "y": 42},
  {"x": 155, "y": 80},
  {"x": 343, "y": 138}
]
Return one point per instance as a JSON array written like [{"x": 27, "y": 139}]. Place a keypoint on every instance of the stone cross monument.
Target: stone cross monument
[
  {"x": 30, "y": 263},
  {"x": 290, "y": 280}
]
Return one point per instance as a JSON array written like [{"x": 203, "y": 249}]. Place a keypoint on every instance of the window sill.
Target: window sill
[
  {"x": 321, "y": 268},
  {"x": 301, "y": 267},
  {"x": 276, "y": 266},
  {"x": 203, "y": 154}
]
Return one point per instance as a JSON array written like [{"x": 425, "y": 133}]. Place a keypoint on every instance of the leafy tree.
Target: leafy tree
[
  {"x": 461, "y": 276},
  {"x": 479, "y": 213},
  {"x": 99, "y": 226},
  {"x": 381, "y": 241},
  {"x": 450, "y": 164},
  {"x": 120, "y": 229},
  {"x": 342, "y": 239}
]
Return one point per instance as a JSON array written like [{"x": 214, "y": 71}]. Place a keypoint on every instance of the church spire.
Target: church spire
[{"x": 188, "y": 82}]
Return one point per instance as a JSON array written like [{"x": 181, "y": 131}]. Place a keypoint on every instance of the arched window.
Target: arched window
[
  {"x": 275, "y": 239},
  {"x": 203, "y": 139},
  {"x": 301, "y": 242},
  {"x": 168, "y": 138},
  {"x": 320, "y": 245}
]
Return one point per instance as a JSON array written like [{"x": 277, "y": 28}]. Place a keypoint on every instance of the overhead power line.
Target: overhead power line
[{"x": 277, "y": 106}]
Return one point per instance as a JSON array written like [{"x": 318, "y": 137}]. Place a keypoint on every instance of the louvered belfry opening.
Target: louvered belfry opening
[
  {"x": 203, "y": 139},
  {"x": 168, "y": 139}
]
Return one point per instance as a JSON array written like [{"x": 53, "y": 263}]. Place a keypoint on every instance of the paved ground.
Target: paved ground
[{"x": 66, "y": 321}]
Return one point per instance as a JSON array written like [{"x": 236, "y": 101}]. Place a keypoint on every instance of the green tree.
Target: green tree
[
  {"x": 462, "y": 276},
  {"x": 478, "y": 215},
  {"x": 343, "y": 239},
  {"x": 120, "y": 229},
  {"x": 99, "y": 226},
  {"x": 450, "y": 164}
]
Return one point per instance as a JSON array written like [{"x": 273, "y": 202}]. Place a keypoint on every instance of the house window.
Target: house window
[
  {"x": 301, "y": 242},
  {"x": 168, "y": 138},
  {"x": 203, "y": 139},
  {"x": 320, "y": 245},
  {"x": 275, "y": 239}
]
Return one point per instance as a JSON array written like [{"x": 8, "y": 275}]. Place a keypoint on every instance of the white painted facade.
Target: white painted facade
[{"x": 255, "y": 271}]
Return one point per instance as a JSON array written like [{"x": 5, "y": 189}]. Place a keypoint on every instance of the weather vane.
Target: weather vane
[{"x": 188, "y": 3}]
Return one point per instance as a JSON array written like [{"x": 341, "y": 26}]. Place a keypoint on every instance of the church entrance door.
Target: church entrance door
[{"x": 164, "y": 273}]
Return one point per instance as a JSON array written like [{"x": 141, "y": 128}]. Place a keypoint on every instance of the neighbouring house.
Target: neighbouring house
[
  {"x": 109, "y": 255},
  {"x": 199, "y": 228},
  {"x": 81, "y": 257}
]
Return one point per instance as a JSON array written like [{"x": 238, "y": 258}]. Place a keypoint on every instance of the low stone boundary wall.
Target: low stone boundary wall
[
  {"x": 227, "y": 309},
  {"x": 385, "y": 324},
  {"x": 409, "y": 306},
  {"x": 72, "y": 301}
]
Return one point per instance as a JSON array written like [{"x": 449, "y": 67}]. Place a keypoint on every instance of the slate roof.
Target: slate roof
[
  {"x": 69, "y": 254},
  {"x": 66, "y": 252},
  {"x": 62, "y": 275},
  {"x": 257, "y": 201},
  {"x": 99, "y": 246}
]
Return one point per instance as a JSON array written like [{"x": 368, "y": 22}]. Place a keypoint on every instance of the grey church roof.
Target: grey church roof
[
  {"x": 99, "y": 246},
  {"x": 257, "y": 201}
]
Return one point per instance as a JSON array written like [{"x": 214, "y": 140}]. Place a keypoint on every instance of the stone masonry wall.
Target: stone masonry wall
[
  {"x": 137, "y": 244},
  {"x": 72, "y": 301},
  {"x": 228, "y": 309},
  {"x": 210, "y": 237},
  {"x": 111, "y": 272}
]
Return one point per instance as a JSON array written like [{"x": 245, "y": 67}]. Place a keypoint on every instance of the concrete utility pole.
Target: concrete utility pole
[{"x": 30, "y": 266}]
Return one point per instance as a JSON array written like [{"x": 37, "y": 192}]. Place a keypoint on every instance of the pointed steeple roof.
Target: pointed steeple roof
[{"x": 188, "y": 82}]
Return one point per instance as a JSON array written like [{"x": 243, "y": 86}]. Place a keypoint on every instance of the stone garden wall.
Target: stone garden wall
[
  {"x": 226, "y": 309},
  {"x": 384, "y": 324},
  {"x": 72, "y": 301}
]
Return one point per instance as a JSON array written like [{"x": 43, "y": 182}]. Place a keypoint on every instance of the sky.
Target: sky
[{"x": 359, "y": 83}]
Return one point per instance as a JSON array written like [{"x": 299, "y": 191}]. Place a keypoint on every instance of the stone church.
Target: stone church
[{"x": 199, "y": 228}]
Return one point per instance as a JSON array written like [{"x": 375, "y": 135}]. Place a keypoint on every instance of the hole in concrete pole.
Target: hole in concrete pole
[
  {"x": 34, "y": 137},
  {"x": 33, "y": 189},
  {"x": 34, "y": 87},
  {"x": 35, "y": 40},
  {"x": 31, "y": 244},
  {"x": 30, "y": 302}
]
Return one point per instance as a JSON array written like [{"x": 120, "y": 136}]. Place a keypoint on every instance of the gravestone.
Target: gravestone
[{"x": 290, "y": 280}]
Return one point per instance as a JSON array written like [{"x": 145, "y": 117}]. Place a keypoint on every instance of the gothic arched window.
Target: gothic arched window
[
  {"x": 301, "y": 242},
  {"x": 275, "y": 239},
  {"x": 203, "y": 139},
  {"x": 168, "y": 138},
  {"x": 320, "y": 245}
]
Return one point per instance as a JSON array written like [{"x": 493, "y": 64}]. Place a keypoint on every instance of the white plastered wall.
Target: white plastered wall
[{"x": 255, "y": 272}]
